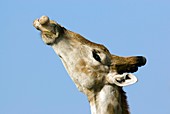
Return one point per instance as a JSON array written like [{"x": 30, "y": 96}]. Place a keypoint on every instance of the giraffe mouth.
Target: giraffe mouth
[
  {"x": 44, "y": 26},
  {"x": 49, "y": 29}
]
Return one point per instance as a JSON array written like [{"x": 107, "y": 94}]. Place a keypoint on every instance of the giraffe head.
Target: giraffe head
[
  {"x": 90, "y": 65},
  {"x": 95, "y": 71}
]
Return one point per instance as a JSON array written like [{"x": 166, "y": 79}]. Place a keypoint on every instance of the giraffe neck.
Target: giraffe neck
[{"x": 110, "y": 100}]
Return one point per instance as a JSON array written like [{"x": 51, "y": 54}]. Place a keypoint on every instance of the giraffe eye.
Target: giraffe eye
[{"x": 96, "y": 56}]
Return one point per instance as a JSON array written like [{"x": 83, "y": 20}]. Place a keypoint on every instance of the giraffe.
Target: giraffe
[{"x": 96, "y": 72}]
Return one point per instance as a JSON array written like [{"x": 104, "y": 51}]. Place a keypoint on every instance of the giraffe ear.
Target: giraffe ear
[{"x": 124, "y": 79}]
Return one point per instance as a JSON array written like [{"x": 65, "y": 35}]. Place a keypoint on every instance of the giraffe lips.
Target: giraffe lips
[
  {"x": 36, "y": 24},
  {"x": 39, "y": 26}
]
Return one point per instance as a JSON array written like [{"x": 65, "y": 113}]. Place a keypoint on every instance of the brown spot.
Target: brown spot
[
  {"x": 94, "y": 74},
  {"x": 110, "y": 109},
  {"x": 82, "y": 62},
  {"x": 80, "y": 66}
]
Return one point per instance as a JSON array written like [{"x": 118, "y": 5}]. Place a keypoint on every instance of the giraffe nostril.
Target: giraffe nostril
[{"x": 37, "y": 28}]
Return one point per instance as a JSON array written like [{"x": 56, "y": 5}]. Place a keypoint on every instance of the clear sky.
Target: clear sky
[{"x": 32, "y": 77}]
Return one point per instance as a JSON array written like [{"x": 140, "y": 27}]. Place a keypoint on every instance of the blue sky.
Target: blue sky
[{"x": 33, "y": 79}]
